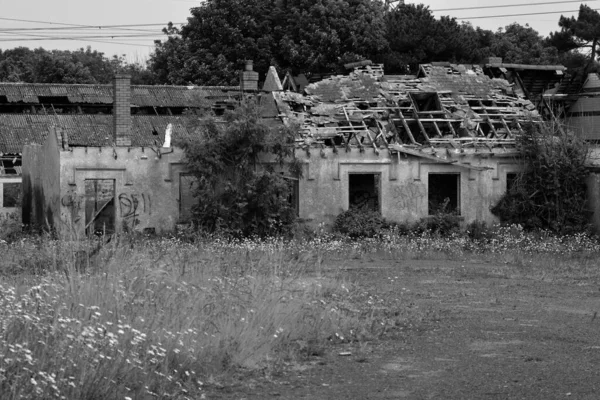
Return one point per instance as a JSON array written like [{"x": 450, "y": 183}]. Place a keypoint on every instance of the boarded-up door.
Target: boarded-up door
[
  {"x": 100, "y": 206},
  {"x": 187, "y": 187}
]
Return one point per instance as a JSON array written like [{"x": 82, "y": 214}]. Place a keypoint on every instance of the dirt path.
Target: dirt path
[{"x": 482, "y": 331}]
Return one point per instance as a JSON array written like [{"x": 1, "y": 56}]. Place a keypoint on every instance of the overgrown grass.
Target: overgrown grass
[
  {"x": 167, "y": 318},
  {"x": 164, "y": 319}
]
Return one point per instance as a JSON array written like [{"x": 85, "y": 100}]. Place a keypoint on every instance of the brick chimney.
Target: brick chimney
[
  {"x": 122, "y": 110},
  {"x": 248, "y": 77}
]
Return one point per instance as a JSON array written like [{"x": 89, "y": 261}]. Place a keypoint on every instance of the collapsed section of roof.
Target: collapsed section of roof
[{"x": 444, "y": 105}]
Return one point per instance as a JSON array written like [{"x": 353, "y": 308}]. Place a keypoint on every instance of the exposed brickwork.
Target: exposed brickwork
[
  {"x": 122, "y": 110},
  {"x": 249, "y": 77}
]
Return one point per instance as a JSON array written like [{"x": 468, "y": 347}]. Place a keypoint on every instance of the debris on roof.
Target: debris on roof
[{"x": 446, "y": 105}]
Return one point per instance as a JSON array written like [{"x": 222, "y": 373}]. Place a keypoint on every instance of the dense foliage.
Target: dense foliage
[
  {"x": 309, "y": 37},
  {"x": 577, "y": 34},
  {"x": 550, "y": 191},
  {"x": 62, "y": 66},
  {"x": 313, "y": 37},
  {"x": 305, "y": 36},
  {"x": 238, "y": 195},
  {"x": 359, "y": 223}
]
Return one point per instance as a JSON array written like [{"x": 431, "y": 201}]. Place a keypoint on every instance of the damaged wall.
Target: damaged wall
[
  {"x": 81, "y": 190},
  {"x": 41, "y": 188},
  {"x": 121, "y": 189},
  {"x": 404, "y": 189}
]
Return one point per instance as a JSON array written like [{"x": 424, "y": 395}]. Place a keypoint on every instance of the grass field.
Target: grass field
[{"x": 166, "y": 318}]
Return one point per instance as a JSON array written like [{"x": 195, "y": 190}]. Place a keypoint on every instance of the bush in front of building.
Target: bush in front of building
[
  {"x": 359, "y": 222},
  {"x": 550, "y": 191},
  {"x": 244, "y": 173}
]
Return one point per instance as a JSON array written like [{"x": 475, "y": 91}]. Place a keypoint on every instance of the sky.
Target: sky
[{"x": 92, "y": 23}]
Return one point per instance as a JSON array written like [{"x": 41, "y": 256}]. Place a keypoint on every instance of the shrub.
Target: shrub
[
  {"x": 238, "y": 194},
  {"x": 10, "y": 227},
  {"x": 550, "y": 191},
  {"x": 442, "y": 222},
  {"x": 359, "y": 222},
  {"x": 478, "y": 231}
]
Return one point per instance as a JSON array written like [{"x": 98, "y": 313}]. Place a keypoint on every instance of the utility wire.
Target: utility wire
[
  {"x": 522, "y": 14},
  {"x": 512, "y": 5},
  {"x": 85, "y": 26}
]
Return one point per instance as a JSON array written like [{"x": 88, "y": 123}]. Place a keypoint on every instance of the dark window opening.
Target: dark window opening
[
  {"x": 444, "y": 193},
  {"x": 426, "y": 101},
  {"x": 364, "y": 191},
  {"x": 511, "y": 181},
  {"x": 187, "y": 198},
  {"x": 294, "y": 195},
  {"x": 100, "y": 206},
  {"x": 54, "y": 100},
  {"x": 10, "y": 165},
  {"x": 11, "y": 194}
]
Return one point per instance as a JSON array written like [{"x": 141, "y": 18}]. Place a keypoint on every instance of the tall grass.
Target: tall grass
[
  {"x": 153, "y": 321},
  {"x": 162, "y": 318}
]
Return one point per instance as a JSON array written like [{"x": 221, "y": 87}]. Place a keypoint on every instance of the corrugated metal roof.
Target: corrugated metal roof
[
  {"x": 157, "y": 96},
  {"x": 17, "y": 130}
]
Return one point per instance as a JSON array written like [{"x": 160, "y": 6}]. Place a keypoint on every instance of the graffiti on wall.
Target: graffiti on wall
[
  {"x": 72, "y": 202},
  {"x": 133, "y": 205},
  {"x": 409, "y": 196}
]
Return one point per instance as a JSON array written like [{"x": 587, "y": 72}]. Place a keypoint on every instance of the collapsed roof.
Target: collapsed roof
[{"x": 456, "y": 105}]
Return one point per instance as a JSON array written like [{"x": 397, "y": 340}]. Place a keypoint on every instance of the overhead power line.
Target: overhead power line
[
  {"x": 86, "y": 26},
  {"x": 512, "y": 5},
  {"x": 522, "y": 14}
]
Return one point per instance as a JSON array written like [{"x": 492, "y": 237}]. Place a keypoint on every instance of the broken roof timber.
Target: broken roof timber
[{"x": 418, "y": 153}]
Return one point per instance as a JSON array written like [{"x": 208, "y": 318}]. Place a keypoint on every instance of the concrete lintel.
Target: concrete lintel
[
  {"x": 78, "y": 170},
  {"x": 172, "y": 166},
  {"x": 392, "y": 175},
  {"x": 500, "y": 166}
]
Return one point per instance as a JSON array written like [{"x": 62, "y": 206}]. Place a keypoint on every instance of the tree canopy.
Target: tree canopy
[
  {"x": 310, "y": 37},
  {"x": 63, "y": 66},
  {"x": 302, "y": 35},
  {"x": 578, "y": 33}
]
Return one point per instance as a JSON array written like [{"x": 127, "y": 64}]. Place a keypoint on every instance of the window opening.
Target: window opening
[
  {"x": 364, "y": 191},
  {"x": 294, "y": 195},
  {"x": 11, "y": 194},
  {"x": 100, "y": 206},
  {"x": 511, "y": 180},
  {"x": 444, "y": 193},
  {"x": 426, "y": 101},
  {"x": 187, "y": 200},
  {"x": 10, "y": 165}
]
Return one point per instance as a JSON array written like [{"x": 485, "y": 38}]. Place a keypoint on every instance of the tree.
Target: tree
[
  {"x": 578, "y": 33},
  {"x": 238, "y": 194},
  {"x": 63, "y": 66},
  {"x": 523, "y": 45},
  {"x": 415, "y": 36},
  {"x": 550, "y": 191},
  {"x": 304, "y": 36}
]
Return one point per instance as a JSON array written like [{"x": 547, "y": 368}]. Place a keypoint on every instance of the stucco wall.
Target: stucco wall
[
  {"x": 404, "y": 184},
  {"x": 41, "y": 189},
  {"x": 146, "y": 186}
]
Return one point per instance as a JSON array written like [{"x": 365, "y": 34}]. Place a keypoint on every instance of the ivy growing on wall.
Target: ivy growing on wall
[
  {"x": 245, "y": 170},
  {"x": 550, "y": 190}
]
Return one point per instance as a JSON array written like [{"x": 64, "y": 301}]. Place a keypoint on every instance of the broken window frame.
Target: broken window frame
[{"x": 102, "y": 210}]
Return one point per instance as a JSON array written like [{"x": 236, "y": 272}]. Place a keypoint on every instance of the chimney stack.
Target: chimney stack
[
  {"x": 248, "y": 77},
  {"x": 122, "y": 110}
]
